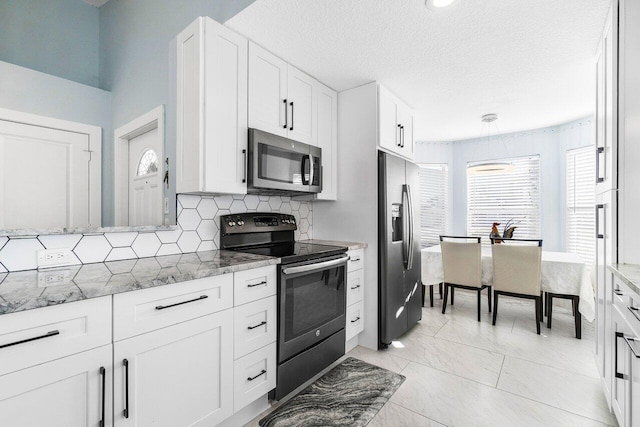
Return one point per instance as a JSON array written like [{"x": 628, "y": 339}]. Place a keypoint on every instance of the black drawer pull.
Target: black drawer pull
[
  {"x": 355, "y": 287},
  {"x": 615, "y": 355},
  {"x": 355, "y": 320},
  {"x": 631, "y": 347},
  {"x": 264, "y": 282},
  {"x": 47, "y": 335},
  {"x": 634, "y": 311},
  {"x": 618, "y": 292},
  {"x": 355, "y": 259},
  {"x": 103, "y": 374},
  {"x": 260, "y": 374},
  {"x": 264, "y": 322},
  {"x": 125, "y": 363},
  {"x": 162, "y": 307}
]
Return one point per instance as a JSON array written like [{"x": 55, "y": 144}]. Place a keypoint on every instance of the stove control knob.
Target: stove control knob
[
  {"x": 241, "y": 222},
  {"x": 231, "y": 223}
]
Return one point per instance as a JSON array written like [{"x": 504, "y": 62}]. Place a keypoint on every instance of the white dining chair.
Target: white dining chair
[
  {"x": 517, "y": 272},
  {"x": 462, "y": 267}
]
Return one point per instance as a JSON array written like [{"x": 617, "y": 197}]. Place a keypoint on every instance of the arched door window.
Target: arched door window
[{"x": 148, "y": 163}]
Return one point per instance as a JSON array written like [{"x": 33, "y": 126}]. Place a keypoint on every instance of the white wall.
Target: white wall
[{"x": 549, "y": 143}]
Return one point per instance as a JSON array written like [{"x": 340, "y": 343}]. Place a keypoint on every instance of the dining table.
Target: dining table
[{"x": 562, "y": 273}]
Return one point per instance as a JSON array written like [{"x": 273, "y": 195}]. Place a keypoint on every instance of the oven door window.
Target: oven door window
[
  {"x": 313, "y": 299},
  {"x": 279, "y": 165}
]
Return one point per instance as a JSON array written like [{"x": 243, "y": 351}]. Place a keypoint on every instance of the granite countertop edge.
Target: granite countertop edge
[
  {"x": 23, "y": 290},
  {"x": 629, "y": 274}
]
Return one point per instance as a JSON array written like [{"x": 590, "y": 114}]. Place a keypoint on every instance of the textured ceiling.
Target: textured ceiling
[
  {"x": 529, "y": 61},
  {"x": 96, "y": 3}
]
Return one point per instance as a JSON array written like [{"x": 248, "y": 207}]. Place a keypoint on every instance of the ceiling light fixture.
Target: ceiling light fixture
[
  {"x": 492, "y": 166},
  {"x": 438, "y": 4}
]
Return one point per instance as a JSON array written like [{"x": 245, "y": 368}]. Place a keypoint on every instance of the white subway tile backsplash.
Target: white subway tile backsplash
[
  {"x": 198, "y": 230},
  {"x": 146, "y": 245},
  {"x": 92, "y": 249}
]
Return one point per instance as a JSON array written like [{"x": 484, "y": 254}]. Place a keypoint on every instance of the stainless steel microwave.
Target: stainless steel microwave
[{"x": 278, "y": 165}]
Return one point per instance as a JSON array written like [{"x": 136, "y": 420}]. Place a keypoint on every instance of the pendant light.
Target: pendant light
[{"x": 491, "y": 166}]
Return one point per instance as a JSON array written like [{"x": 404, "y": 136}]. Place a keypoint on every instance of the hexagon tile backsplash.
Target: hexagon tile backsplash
[{"x": 198, "y": 230}]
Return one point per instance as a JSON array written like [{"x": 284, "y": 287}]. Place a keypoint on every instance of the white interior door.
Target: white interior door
[
  {"x": 45, "y": 170},
  {"x": 145, "y": 179}
]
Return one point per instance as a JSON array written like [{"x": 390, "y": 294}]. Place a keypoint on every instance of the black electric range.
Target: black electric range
[{"x": 270, "y": 234}]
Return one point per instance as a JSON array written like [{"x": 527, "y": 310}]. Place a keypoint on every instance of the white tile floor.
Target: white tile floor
[{"x": 464, "y": 373}]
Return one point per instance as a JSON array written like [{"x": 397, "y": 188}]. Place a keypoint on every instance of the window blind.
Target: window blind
[
  {"x": 581, "y": 172},
  {"x": 434, "y": 202},
  {"x": 503, "y": 196}
]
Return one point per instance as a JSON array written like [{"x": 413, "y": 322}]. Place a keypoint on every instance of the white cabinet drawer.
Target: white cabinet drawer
[
  {"x": 355, "y": 320},
  {"x": 255, "y": 326},
  {"x": 36, "y": 336},
  {"x": 254, "y": 375},
  {"x": 356, "y": 261},
  {"x": 255, "y": 284},
  {"x": 355, "y": 286},
  {"x": 135, "y": 313}
]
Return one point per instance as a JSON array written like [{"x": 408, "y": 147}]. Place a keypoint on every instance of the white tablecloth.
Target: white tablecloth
[{"x": 562, "y": 273}]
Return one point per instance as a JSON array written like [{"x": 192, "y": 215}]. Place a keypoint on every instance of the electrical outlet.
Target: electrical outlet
[
  {"x": 53, "y": 278},
  {"x": 55, "y": 257}
]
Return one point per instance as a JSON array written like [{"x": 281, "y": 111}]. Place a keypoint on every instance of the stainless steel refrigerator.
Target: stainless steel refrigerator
[{"x": 399, "y": 287}]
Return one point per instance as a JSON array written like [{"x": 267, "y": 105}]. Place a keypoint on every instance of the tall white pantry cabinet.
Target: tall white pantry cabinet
[{"x": 617, "y": 195}]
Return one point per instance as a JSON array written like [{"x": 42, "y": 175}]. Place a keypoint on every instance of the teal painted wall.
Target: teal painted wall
[{"x": 57, "y": 37}]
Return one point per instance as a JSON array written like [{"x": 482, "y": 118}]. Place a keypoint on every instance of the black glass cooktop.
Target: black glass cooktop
[{"x": 294, "y": 251}]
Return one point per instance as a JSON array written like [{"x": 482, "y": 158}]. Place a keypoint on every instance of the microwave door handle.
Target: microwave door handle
[
  {"x": 303, "y": 170},
  {"x": 310, "y": 169}
]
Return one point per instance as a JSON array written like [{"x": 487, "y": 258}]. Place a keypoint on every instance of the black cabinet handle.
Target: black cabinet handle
[
  {"x": 244, "y": 166},
  {"x": 264, "y": 282},
  {"x": 598, "y": 234},
  {"x": 260, "y": 374},
  {"x": 355, "y": 259},
  {"x": 631, "y": 347},
  {"x": 162, "y": 307},
  {"x": 355, "y": 320},
  {"x": 264, "y": 322},
  {"x": 615, "y": 355},
  {"x": 634, "y": 311},
  {"x": 125, "y": 362},
  {"x": 618, "y": 292},
  {"x": 286, "y": 114},
  {"x": 399, "y": 136},
  {"x": 292, "y": 119},
  {"x": 355, "y": 287},
  {"x": 103, "y": 374},
  {"x": 599, "y": 151},
  {"x": 47, "y": 335},
  {"x": 402, "y": 136}
]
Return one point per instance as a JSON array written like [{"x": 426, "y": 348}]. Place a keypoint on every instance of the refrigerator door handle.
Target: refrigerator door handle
[{"x": 410, "y": 210}]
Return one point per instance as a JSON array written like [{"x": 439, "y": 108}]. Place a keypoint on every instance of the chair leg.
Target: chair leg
[
  {"x": 479, "y": 303},
  {"x": 489, "y": 291},
  {"x": 424, "y": 291},
  {"x": 440, "y": 289},
  {"x": 444, "y": 300},
  {"x": 538, "y": 313},
  {"x": 431, "y": 295},
  {"x": 549, "y": 309},
  {"x": 541, "y": 308},
  {"x": 546, "y": 302},
  {"x": 576, "y": 299},
  {"x": 452, "y": 293},
  {"x": 573, "y": 306},
  {"x": 495, "y": 307}
]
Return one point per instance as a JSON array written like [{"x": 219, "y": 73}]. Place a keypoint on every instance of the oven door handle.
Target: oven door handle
[{"x": 313, "y": 267}]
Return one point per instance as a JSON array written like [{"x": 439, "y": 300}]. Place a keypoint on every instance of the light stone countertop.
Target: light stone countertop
[
  {"x": 30, "y": 289},
  {"x": 350, "y": 245},
  {"x": 629, "y": 274}
]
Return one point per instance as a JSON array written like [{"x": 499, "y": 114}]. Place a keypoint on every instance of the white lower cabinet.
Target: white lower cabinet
[
  {"x": 254, "y": 375},
  {"x": 255, "y": 325},
  {"x": 355, "y": 320},
  {"x": 74, "y": 391},
  {"x": 355, "y": 295},
  {"x": 177, "y": 376}
]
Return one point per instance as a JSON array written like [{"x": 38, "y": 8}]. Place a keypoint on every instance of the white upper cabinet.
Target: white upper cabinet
[
  {"x": 211, "y": 109},
  {"x": 268, "y": 104},
  {"x": 282, "y": 99},
  {"x": 328, "y": 141},
  {"x": 395, "y": 125}
]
